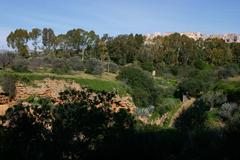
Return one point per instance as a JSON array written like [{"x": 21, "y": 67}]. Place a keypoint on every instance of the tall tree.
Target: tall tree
[
  {"x": 218, "y": 52},
  {"x": 124, "y": 48},
  {"x": 48, "y": 38},
  {"x": 80, "y": 41},
  {"x": 102, "y": 50},
  {"x": 18, "y": 40},
  {"x": 34, "y": 36},
  {"x": 76, "y": 39}
]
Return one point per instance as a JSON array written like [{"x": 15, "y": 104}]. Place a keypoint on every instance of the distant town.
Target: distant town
[{"x": 228, "y": 38}]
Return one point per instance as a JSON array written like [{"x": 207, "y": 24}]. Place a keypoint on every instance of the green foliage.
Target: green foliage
[
  {"x": 20, "y": 65},
  {"x": 76, "y": 64},
  {"x": 228, "y": 70},
  {"x": 196, "y": 83},
  {"x": 60, "y": 66},
  {"x": 94, "y": 66},
  {"x": 218, "y": 52},
  {"x": 18, "y": 40},
  {"x": 123, "y": 49},
  {"x": 48, "y": 38},
  {"x": 95, "y": 84},
  {"x": 167, "y": 105},
  {"x": 111, "y": 67},
  {"x": 34, "y": 35},
  {"x": 142, "y": 84}
]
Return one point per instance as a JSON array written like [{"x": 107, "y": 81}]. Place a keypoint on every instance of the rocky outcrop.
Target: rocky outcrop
[
  {"x": 44, "y": 88},
  {"x": 123, "y": 103},
  {"x": 52, "y": 88},
  {"x": 3, "y": 99}
]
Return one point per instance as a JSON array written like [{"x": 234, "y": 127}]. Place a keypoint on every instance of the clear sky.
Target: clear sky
[{"x": 121, "y": 16}]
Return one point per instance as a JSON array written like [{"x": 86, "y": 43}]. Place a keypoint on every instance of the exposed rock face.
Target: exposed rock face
[
  {"x": 45, "y": 88},
  {"x": 123, "y": 103},
  {"x": 3, "y": 99},
  {"x": 52, "y": 88}
]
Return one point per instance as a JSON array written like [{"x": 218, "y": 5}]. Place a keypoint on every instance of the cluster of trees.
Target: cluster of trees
[
  {"x": 151, "y": 54},
  {"x": 74, "y": 41}
]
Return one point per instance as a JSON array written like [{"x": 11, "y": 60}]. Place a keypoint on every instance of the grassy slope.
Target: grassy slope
[{"x": 92, "y": 82}]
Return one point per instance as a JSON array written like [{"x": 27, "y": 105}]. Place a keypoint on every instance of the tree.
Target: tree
[
  {"x": 218, "y": 52},
  {"x": 102, "y": 50},
  {"x": 18, "y": 40},
  {"x": 48, "y": 39},
  {"x": 124, "y": 49},
  {"x": 34, "y": 36},
  {"x": 76, "y": 39},
  {"x": 94, "y": 66},
  {"x": 235, "y": 47}
]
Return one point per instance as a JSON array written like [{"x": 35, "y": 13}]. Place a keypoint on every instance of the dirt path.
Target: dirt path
[{"x": 187, "y": 104}]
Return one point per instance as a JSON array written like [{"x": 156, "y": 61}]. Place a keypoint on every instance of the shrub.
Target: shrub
[
  {"x": 227, "y": 110},
  {"x": 8, "y": 84},
  {"x": 142, "y": 84},
  {"x": 94, "y": 66},
  {"x": 229, "y": 70},
  {"x": 147, "y": 66},
  {"x": 20, "y": 65},
  {"x": 199, "y": 64},
  {"x": 60, "y": 66},
  {"x": 111, "y": 67},
  {"x": 76, "y": 63},
  {"x": 196, "y": 83},
  {"x": 36, "y": 63},
  {"x": 167, "y": 104}
]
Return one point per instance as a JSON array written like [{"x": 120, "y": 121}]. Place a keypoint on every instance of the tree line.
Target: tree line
[{"x": 151, "y": 54}]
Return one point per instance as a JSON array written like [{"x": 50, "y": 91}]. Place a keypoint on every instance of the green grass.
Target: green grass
[
  {"x": 228, "y": 86},
  {"x": 97, "y": 84},
  {"x": 213, "y": 118},
  {"x": 170, "y": 115}
]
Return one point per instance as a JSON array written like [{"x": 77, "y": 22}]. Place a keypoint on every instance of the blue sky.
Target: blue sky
[{"x": 121, "y": 16}]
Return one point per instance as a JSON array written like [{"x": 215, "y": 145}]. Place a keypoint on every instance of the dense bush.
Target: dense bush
[
  {"x": 94, "y": 66},
  {"x": 76, "y": 63},
  {"x": 36, "y": 63},
  {"x": 196, "y": 83},
  {"x": 111, "y": 67},
  {"x": 228, "y": 110},
  {"x": 229, "y": 70},
  {"x": 8, "y": 84},
  {"x": 167, "y": 104},
  {"x": 147, "y": 66},
  {"x": 142, "y": 84},
  {"x": 60, "y": 66},
  {"x": 20, "y": 65}
]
